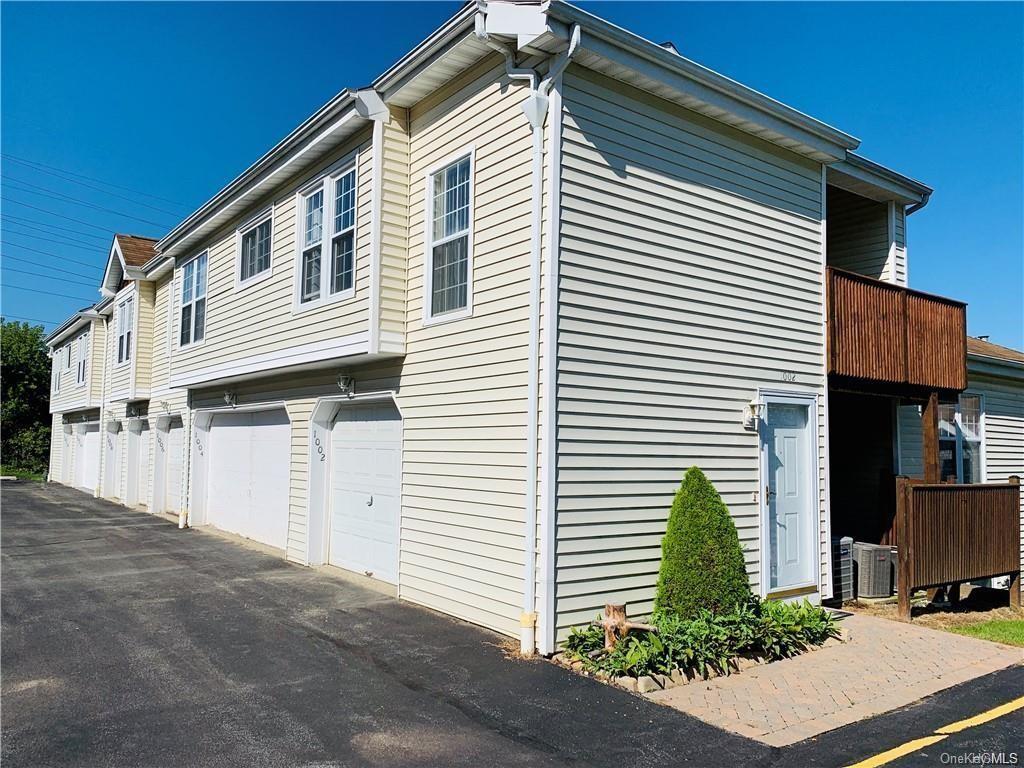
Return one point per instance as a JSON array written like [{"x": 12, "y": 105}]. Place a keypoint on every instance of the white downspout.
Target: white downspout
[{"x": 535, "y": 109}]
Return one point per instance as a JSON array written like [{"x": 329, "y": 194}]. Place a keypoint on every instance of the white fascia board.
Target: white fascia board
[
  {"x": 285, "y": 152},
  {"x": 889, "y": 183},
  {"x": 691, "y": 79},
  {"x": 69, "y": 328}
]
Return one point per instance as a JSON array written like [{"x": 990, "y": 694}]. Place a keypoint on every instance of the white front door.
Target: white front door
[
  {"x": 365, "y": 493},
  {"x": 249, "y": 469},
  {"x": 789, "y": 462}
]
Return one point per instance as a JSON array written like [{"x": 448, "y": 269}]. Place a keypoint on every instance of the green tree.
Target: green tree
[
  {"x": 24, "y": 408},
  {"x": 701, "y": 558}
]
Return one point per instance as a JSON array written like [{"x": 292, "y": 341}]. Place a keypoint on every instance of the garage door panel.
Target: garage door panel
[
  {"x": 366, "y": 455},
  {"x": 249, "y": 469}
]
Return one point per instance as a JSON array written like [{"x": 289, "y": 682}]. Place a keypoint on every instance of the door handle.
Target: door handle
[{"x": 768, "y": 492}]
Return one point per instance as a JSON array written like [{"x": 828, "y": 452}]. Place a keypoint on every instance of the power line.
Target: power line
[
  {"x": 133, "y": 201},
  {"x": 54, "y": 170},
  {"x": 105, "y": 230},
  {"x": 48, "y": 293},
  {"x": 48, "y": 253},
  {"x": 53, "y": 269},
  {"x": 36, "y": 223},
  {"x": 54, "y": 277},
  {"x": 77, "y": 201},
  {"x": 51, "y": 237},
  {"x": 30, "y": 319}
]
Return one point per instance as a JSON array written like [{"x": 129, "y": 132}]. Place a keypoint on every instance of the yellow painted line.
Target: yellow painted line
[
  {"x": 984, "y": 717},
  {"x": 897, "y": 752},
  {"x": 940, "y": 733}
]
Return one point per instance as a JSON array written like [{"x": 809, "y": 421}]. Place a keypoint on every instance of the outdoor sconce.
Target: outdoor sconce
[
  {"x": 230, "y": 399},
  {"x": 346, "y": 384},
  {"x": 751, "y": 413}
]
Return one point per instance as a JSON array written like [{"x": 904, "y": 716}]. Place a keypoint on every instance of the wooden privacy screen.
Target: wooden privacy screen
[
  {"x": 883, "y": 332},
  {"x": 949, "y": 534}
]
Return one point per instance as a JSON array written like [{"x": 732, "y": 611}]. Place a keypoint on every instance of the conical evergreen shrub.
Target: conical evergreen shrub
[{"x": 701, "y": 558}]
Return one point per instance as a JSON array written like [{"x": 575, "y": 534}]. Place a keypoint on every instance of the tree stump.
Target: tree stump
[{"x": 614, "y": 624}]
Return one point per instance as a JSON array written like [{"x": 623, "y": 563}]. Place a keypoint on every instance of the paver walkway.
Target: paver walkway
[{"x": 884, "y": 666}]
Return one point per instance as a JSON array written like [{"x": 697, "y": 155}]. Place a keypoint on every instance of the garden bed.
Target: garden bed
[{"x": 683, "y": 651}]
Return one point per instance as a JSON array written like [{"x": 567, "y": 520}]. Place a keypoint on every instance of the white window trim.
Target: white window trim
[
  {"x": 958, "y": 451},
  {"x": 176, "y": 305},
  {"x": 57, "y": 370},
  {"x": 325, "y": 184},
  {"x": 428, "y": 238},
  {"x": 82, "y": 359},
  {"x": 120, "y": 302},
  {"x": 66, "y": 352},
  {"x": 256, "y": 221}
]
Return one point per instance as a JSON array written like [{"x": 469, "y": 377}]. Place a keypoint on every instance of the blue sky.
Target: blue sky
[{"x": 175, "y": 99}]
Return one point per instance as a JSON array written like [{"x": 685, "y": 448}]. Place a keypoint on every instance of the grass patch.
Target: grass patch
[
  {"x": 1007, "y": 631},
  {"x": 22, "y": 474}
]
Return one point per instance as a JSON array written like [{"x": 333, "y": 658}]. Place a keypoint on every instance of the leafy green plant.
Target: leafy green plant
[
  {"x": 702, "y": 565},
  {"x": 707, "y": 641}
]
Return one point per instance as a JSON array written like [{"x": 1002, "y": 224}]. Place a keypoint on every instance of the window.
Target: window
[
  {"x": 960, "y": 440},
  {"x": 67, "y": 357},
  {"x": 328, "y": 219},
  {"x": 83, "y": 358},
  {"x": 344, "y": 238},
  {"x": 255, "y": 255},
  {"x": 193, "y": 301},
  {"x": 56, "y": 371},
  {"x": 125, "y": 322},
  {"x": 448, "y": 274}
]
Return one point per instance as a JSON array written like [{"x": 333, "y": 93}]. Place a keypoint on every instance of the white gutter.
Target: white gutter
[{"x": 535, "y": 108}]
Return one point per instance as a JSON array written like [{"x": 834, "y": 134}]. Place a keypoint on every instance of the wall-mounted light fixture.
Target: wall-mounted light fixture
[
  {"x": 346, "y": 384},
  {"x": 230, "y": 399},
  {"x": 751, "y": 413}
]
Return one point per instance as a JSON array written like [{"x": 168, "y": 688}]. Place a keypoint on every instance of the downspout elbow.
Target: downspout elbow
[{"x": 918, "y": 206}]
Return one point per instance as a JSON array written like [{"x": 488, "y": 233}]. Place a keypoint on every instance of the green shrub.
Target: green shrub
[
  {"x": 702, "y": 564},
  {"x": 707, "y": 642}
]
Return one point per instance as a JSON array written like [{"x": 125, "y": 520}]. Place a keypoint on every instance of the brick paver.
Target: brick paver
[{"x": 884, "y": 666}]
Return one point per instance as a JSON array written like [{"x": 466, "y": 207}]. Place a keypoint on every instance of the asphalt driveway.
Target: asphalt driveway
[{"x": 127, "y": 642}]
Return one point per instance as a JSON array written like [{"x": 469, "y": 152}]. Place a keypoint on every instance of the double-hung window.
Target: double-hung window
[
  {"x": 327, "y": 220},
  {"x": 67, "y": 356},
  {"x": 83, "y": 358},
  {"x": 448, "y": 278},
  {"x": 125, "y": 323},
  {"x": 255, "y": 251},
  {"x": 56, "y": 371},
  {"x": 192, "y": 327},
  {"x": 960, "y": 440}
]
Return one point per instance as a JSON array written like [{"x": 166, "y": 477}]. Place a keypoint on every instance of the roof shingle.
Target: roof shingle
[
  {"x": 136, "y": 250},
  {"x": 988, "y": 349}
]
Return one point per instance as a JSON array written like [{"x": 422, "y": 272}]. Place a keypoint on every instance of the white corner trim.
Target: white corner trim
[
  {"x": 265, "y": 215},
  {"x": 891, "y": 225},
  {"x": 353, "y": 344},
  {"x": 826, "y": 588},
  {"x": 546, "y": 639},
  {"x": 376, "y": 230}
]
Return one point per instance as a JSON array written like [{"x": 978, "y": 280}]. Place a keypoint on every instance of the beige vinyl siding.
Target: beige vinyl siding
[
  {"x": 394, "y": 230},
  {"x": 258, "y": 318},
  {"x": 97, "y": 361},
  {"x": 858, "y": 235},
  {"x": 119, "y": 376},
  {"x": 464, "y": 385},
  {"x": 144, "y": 337},
  {"x": 161, "y": 345},
  {"x": 57, "y": 458},
  {"x": 690, "y": 276}
]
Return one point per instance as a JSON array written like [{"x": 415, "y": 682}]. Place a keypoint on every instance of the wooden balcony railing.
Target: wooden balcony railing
[
  {"x": 880, "y": 332},
  {"x": 950, "y": 534}
]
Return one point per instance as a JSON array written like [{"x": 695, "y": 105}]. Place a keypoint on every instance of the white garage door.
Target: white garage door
[
  {"x": 138, "y": 465},
  {"x": 249, "y": 465},
  {"x": 87, "y": 457},
  {"x": 366, "y": 469},
  {"x": 169, "y": 458},
  {"x": 112, "y": 462}
]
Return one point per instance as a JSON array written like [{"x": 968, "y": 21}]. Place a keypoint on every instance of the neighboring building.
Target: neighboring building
[{"x": 465, "y": 329}]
